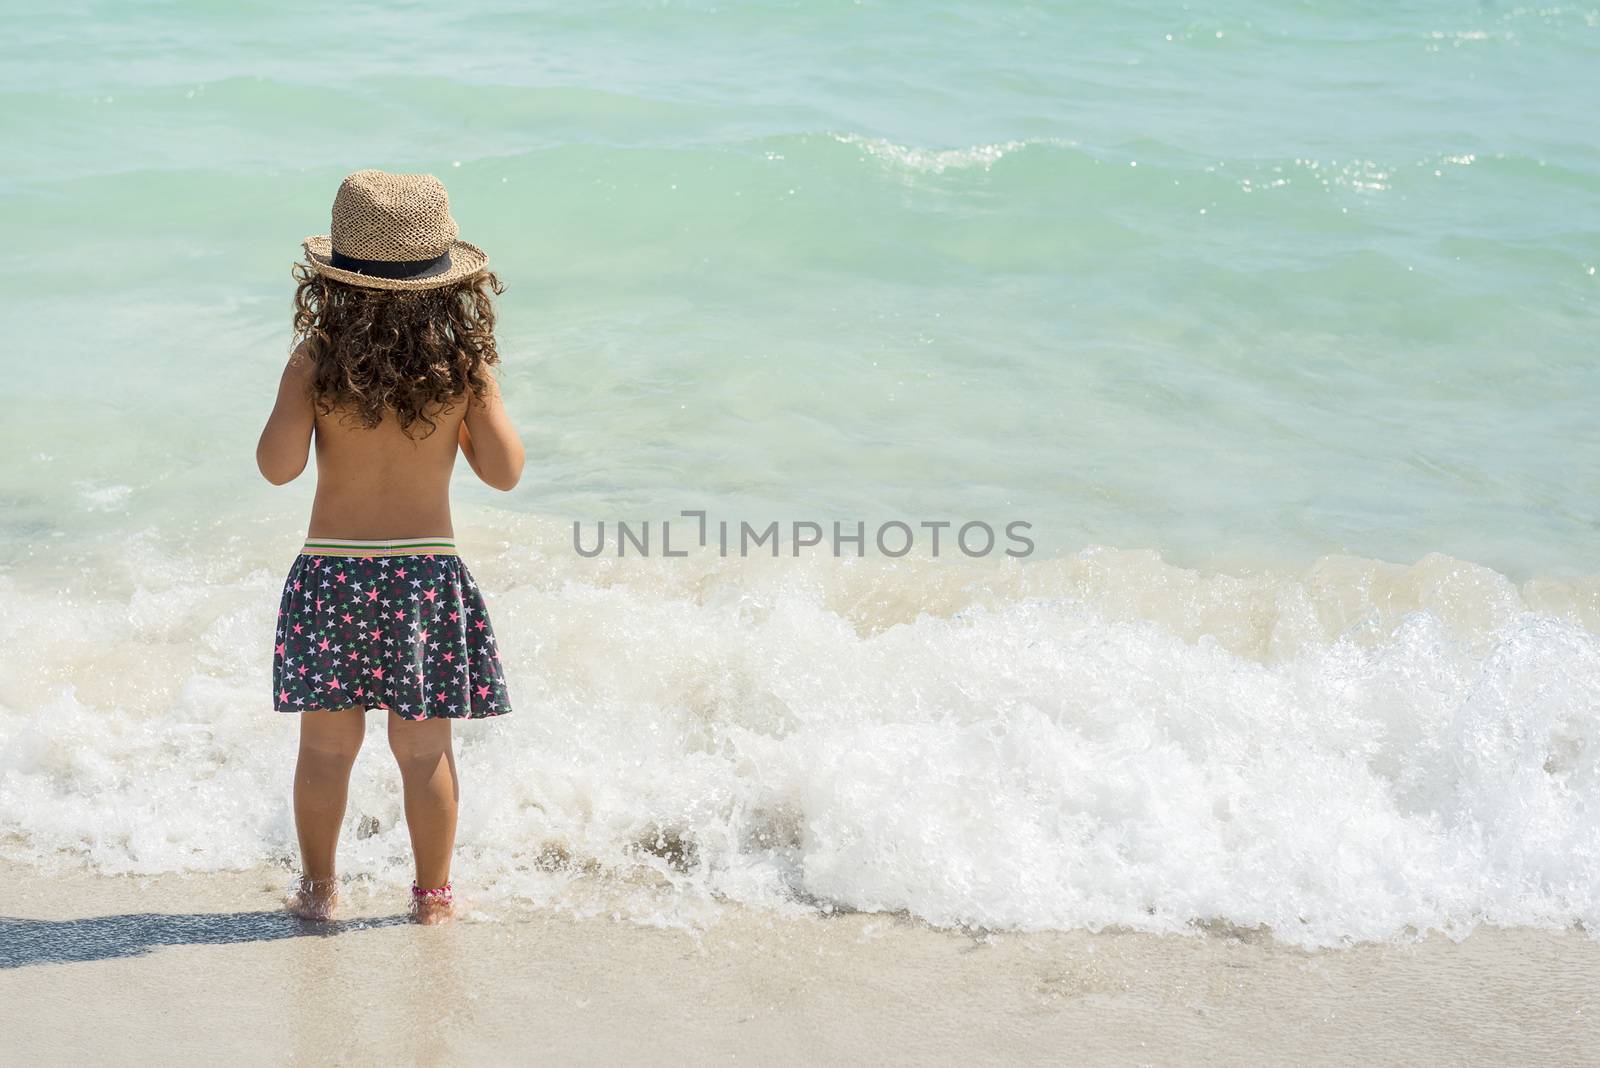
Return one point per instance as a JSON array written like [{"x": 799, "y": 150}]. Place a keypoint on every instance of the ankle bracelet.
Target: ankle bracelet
[{"x": 443, "y": 894}]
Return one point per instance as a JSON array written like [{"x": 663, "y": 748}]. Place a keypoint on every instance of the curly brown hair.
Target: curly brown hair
[{"x": 409, "y": 353}]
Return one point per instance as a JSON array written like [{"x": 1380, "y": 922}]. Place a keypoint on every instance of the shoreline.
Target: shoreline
[{"x": 185, "y": 967}]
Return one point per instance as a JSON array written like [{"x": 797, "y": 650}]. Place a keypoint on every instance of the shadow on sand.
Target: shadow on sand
[{"x": 25, "y": 942}]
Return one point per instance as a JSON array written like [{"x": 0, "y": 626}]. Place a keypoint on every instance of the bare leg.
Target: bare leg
[
  {"x": 428, "y": 772},
  {"x": 329, "y": 741}
]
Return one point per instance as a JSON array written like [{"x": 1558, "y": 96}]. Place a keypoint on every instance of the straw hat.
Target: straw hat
[{"x": 393, "y": 231}]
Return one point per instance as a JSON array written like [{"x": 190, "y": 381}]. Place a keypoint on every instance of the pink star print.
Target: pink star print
[
  {"x": 323, "y": 645},
  {"x": 372, "y": 595},
  {"x": 280, "y": 648},
  {"x": 283, "y": 695},
  {"x": 333, "y": 684},
  {"x": 449, "y": 657},
  {"x": 399, "y": 572},
  {"x": 348, "y": 618},
  {"x": 478, "y": 623},
  {"x": 377, "y": 673},
  {"x": 297, "y": 628},
  {"x": 483, "y": 691},
  {"x": 339, "y": 577},
  {"x": 376, "y": 634},
  {"x": 430, "y": 595},
  {"x": 454, "y": 616}
]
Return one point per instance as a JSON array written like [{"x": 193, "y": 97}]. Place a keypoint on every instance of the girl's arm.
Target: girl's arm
[
  {"x": 286, "y": 441},
  {"x": 489, "y": 441}
]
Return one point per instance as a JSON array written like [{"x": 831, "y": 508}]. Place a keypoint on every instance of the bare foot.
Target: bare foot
[
  {"x": 433, "y": 906},
  {"x": 431, "y": 912},
  {"x": 314, "y": 899}
]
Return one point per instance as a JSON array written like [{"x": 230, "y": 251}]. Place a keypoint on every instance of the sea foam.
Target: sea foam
[{"x": 1354, "y": 751}]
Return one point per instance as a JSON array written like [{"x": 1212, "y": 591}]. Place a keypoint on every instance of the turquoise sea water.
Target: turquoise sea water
[
  {"x": 1277, "y": 322},
  {"x": 1219, "y": 279}
]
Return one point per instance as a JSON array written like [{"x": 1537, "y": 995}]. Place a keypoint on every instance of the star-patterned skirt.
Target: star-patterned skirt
[{"x": 397, "y": 625}]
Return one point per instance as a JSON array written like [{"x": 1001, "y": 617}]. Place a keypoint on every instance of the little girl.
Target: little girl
[{"x": 395, "y": 322}]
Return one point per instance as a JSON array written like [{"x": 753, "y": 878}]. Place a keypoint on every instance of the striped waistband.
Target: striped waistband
[{"x": 396, "y": 547}]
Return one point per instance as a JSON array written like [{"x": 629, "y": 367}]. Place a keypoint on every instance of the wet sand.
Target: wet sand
[{"x": 193, "y": 969}]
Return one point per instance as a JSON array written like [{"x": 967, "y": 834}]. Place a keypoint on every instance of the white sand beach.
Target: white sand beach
[{"x": 195, "y": 969}]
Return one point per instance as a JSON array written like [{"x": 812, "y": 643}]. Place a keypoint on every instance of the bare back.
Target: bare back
[{"x": 380, "y": 483}]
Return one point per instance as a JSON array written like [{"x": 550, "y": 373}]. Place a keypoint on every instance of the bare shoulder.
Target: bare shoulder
[
  {"x": 300, "y": 365},
  {"x": 488, "y": 394}
]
